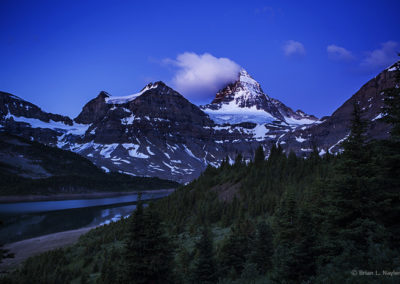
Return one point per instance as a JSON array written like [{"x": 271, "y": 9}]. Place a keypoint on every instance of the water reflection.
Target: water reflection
[
  {"x": 42, "y": 206},
  {"x": 33, "y": 219}
]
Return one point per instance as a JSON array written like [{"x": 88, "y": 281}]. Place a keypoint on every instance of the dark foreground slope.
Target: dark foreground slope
[
  {"x": 267, "y": 217},
  {"x": 28, "y": 167}
]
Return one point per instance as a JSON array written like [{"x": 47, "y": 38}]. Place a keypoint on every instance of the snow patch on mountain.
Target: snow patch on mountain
[
  {"x": 126, "y": 99},
  {"x": 107, "y": 150},
  {"x": 300, "y": 139},
  {"x": 133, "y": 150},
  {"x": 75, "y": 129},
  {"x": 260, "y": 131},
  {"x": 149, "y": 151},
  {"x": 128, "y": 120},
  {"x": 302, "y": 121},
  {"x": 379, "y": 116},
  {"x": 338, "y": 143},
  {"x": 233, "y": 114},
  {"x": 189, "y": 152}
]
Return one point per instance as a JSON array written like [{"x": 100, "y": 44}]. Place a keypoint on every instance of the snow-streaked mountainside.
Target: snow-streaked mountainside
[
  {"x": 328, "y": 134},
  {"x": 157, "y": 132},
  {"x": 245, "y": 101}
]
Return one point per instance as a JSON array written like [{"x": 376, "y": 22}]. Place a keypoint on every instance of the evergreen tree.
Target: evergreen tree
[
  {"x": 84, "y": 278},
  {"x": 391, "y": 109},
  {"x": 259, "y": 156},
  {"x": 355, "y": 145},
  {"x": 136, "y": 245},
  {"x": 305, "y": 251},
  {"x": 205, "y": 266},
  {"x": 295, "y": 257},
  {"x": 351, "y": 202},
  {"x": 387, "y": 155},
  {"x": 224, "y": 163},
  {"x": 183, "y": 265},
  {"x": 352, "y": 187},
  {"x": 250, "y": 273},
  {"x": 234, "y": 250},
  {"x": 262, "y": 248},
  {"x": 285, "y": 216},
  {"x": 314, "y": 158},
  {"x": 238, "y": 160},
  {"x": 149, "y": 251},
  {"x": 284, "y": 237},
  {"x": 292, "y": 160}
]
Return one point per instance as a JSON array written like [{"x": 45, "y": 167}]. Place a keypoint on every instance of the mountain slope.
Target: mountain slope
[
  {"x": 328, "y": 134},
  {"x": 28, "y": 167},
  {"x": 155, "y": 133}
]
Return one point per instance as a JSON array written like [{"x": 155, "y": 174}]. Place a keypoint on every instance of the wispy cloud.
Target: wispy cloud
[
  {"x": 336, "y": 52},
  {"x": 294, "y": 48},
  {"x": 265, "y": 10},
  {"x": 201, "y": 76},
  {"x": 381, "y": 57}
]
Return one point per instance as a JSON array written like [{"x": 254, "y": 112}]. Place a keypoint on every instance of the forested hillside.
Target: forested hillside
[
  {"x": 29, "y": 167},
  {"x": 283, "y": 219}
]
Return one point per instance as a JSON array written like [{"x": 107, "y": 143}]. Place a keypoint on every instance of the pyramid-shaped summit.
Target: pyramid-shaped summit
[{"x": 245, "y": 101}]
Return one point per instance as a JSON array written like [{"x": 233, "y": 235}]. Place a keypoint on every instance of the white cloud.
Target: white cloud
[
  {"x": 292, "y": 47},
  {"x": 201, "y": 76},
  {"x": 381, "y": 57},
  {"x": 338, "y": 53}
]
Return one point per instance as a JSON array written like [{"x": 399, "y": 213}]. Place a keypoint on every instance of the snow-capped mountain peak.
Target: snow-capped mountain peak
[
  {"x": 244, "y": 96},
  {"x": 245, "y": 78},
  {"x": 248, "y": 92},
  {"x": 245, "y": 101}
]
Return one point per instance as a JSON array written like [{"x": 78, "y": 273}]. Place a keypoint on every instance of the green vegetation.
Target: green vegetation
[
  {"x": 280, "y": 220},
  {"x": 204, "y": 270},
  {"x": 148, "y": 251},
  {"x": 63, "y": 171}
]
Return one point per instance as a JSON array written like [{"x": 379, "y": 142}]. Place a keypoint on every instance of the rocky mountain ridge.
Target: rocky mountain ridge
[
  {"x": 328, "y": 134},
  {"x": 157, "y": 132}
]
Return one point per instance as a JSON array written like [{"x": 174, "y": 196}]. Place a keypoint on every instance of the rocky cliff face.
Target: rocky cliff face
[
  {"x": 245, "y": 101},
  {"x": 154, "y": 133},
  {"x": 94, "y": 110},
  {"x": 329, "y": 132},
  {"x": 20, "y": 117},
  {"x": 157, "y": 132}
]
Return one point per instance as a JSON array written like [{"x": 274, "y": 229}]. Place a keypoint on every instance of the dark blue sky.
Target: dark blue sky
[{"x": 311, "y": 55}]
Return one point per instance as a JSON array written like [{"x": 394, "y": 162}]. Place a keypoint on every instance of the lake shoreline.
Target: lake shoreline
[
  {"x": 34, "y": 246},
  {"x": 73, "y": 196}
]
